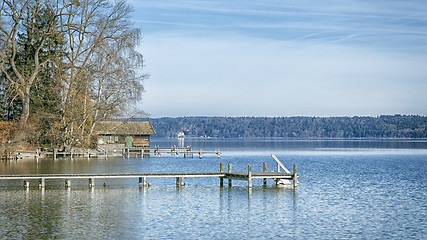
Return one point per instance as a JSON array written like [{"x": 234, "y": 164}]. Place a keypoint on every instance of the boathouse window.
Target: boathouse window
[{"x": 110, "y": 138}]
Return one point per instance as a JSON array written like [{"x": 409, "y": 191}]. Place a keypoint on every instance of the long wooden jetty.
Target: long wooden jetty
[
  {"x": 173, "y": 150},
  {"x": 103, "y": 153},
  {"x": 279, "y": 177}
]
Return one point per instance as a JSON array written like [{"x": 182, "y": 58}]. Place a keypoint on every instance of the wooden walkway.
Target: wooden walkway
[
  {"x": 248, "y": 176},
  {"x": 173, "y": 150},
  {"x": 126, "y": 152}
]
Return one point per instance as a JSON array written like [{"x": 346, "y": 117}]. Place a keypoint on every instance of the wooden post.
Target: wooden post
[
  {"x": 229, "y": 171},
  {"x": 177, "y": 181},
  {"x": 140, "y": 182},
  {"x": 200, "y": 153},
  {"x": 88, "y": 153},
  {"x": 91, "y": 182},
  {"x": 249, "y": 176},
  {"x": 218, "y": 153},
  {"x": 182, "y": 181},
  {"x": 41, "y": 183},
  {"x": 221, "y": 179},
  {"x": 295, "y": 176},
  {"x": 265, "y": 170},
  {"x": 26, "y": 184},
  {"x": 54, "y": 153},
  {"x": 67, "y": 183},
  {"x": 72, "y": 153},
  {"x": 144, "y": 181}
]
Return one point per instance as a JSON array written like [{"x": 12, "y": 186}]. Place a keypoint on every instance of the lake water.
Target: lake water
[{"x": 348, "y": 190}]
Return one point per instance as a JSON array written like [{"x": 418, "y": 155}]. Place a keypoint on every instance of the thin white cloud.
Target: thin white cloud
[
  {"x": 284, "y": 58},
  {"x": 234, "y": 76},
  {"x": 396, "y": 23}
]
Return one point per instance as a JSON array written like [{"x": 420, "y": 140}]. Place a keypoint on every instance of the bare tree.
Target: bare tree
[
  {"x": 103, "y": 77},
  {"x": 99, "y": 69},
  {"x": 21, "y": 17}
]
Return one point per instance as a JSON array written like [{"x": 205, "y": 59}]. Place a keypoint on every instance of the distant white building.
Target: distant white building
[{"x": 181, "y": 134}]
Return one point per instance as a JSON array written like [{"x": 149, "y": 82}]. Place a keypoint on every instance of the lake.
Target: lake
[{"x": 349, "y": 189}]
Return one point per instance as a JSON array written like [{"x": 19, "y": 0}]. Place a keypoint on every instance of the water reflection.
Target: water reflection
[{"x": 318, "y": 208}]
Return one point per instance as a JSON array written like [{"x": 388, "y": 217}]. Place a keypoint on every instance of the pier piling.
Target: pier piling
[
  {"x": 264, "y": 180},
  {"x": 221, "y": 179},
  {"x": 41, "y": 183},
  {"x": 229, "y": 171},
  {"x": 91, "y": 182},
  {"x": 295, "y": 177},
  {"x": 249, "y": 176}
]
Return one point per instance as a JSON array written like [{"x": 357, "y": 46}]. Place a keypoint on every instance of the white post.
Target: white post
[
  {"x": 182, "y": 181},
  {"x": 42, "y": 183},
  {"x": 250, "y": 176}
]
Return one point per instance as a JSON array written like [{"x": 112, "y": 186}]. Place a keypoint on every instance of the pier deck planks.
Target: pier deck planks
[{"x": 137, "y": 175}]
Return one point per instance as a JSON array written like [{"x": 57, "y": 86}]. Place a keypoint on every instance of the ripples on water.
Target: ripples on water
[{"x": 345, "y": 193}]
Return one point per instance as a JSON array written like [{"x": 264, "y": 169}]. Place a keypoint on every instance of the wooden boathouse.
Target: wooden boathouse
[{"x": 118, "y": 135}]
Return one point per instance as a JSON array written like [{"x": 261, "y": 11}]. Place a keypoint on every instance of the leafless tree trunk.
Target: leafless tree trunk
[
  {"x": 101, "y": 72},
  {"x": 103, "y": 65},
  {"x": 14, "y": 14}
]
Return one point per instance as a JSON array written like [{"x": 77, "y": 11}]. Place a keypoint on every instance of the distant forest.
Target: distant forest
[{"x": 395, "y": 126}]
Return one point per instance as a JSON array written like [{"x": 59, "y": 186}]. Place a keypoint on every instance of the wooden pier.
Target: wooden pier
[
  {"x": 173, "y": 150},
  {"x": 278, "y": 177},
  {"x": 103, "y": 153}
]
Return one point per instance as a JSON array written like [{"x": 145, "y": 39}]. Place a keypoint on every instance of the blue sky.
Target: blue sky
[{"x": 283, "y": 58}]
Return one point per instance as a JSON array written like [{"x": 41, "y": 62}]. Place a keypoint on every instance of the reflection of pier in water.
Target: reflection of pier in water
[{"x": 281, "y": 178}]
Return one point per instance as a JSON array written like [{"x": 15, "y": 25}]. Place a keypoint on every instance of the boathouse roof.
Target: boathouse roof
[{"x": 124, "y": 128}]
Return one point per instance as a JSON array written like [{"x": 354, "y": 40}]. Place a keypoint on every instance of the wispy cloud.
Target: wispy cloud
[
  {"x": 294, "y": 57},
  {"x": 228, "y": 76},
  {"x": 373, "y": 22}
]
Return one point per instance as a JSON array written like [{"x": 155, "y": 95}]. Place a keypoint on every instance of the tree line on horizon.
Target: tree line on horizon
[
  {"x": 387, "y": 126},
  {"x": 65, "y": 65}
]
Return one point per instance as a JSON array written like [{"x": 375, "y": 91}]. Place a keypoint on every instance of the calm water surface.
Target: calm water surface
[{"x": 348, "y": 190}]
